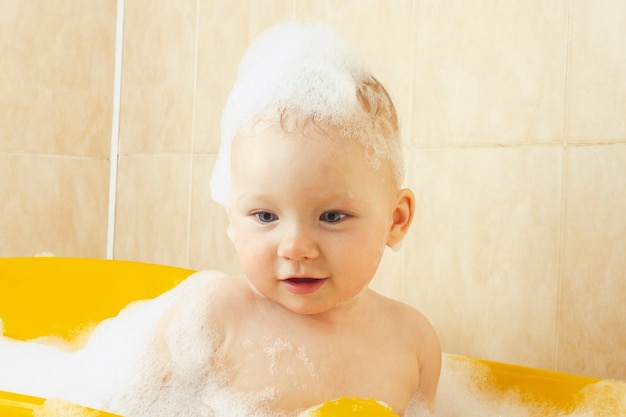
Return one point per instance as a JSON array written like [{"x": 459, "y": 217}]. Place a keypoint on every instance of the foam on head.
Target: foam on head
[{"x": 294, "y": 74}]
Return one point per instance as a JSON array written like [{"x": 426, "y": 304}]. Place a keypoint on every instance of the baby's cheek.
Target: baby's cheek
[{"x": 252, "y": 249}]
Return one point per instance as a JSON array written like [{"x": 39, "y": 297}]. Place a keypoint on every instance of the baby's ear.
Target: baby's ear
[{"x": 402, "y": 217}]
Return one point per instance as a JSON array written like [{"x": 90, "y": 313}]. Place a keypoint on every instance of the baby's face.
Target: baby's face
[{"x": 310, "y": 217}]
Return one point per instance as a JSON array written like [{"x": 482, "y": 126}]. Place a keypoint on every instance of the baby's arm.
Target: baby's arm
[
  {"x": 430, "y": 366},
  {"x": 429, "y": 359}
]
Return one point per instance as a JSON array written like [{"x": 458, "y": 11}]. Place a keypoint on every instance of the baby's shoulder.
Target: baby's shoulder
[
  {"x": 408, "y": 322},
  {"x": 397, "y": 309},
  {"x": 199, "y": 313},
  {"x": 205, "y": 299},
  {"x": 209, "y": 292}
]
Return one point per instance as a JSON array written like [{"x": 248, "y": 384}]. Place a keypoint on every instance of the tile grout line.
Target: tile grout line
[
  {"x": 408, "y": 136},
  {"x": 193, "y": 136},
  {"x": 115, "y": 129},
  {"x": 563, "y": 202}
]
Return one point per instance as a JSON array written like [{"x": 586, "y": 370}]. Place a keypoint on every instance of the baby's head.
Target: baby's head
[{"x": 296, "y": 76}]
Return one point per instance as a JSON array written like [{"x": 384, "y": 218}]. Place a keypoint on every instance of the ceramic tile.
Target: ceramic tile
[
  {"x": 53, "y": 204},
  {"x": 593, "y": 313},
  {"x": 225, "y": 30},
  {"x": 158, "y": 76},
  {"x": 152, "y": 209},
  {"x": 489, "y": 72},
  {"x": 56, "y": 83},
  {"x": 311, "y": 10},
  {"x": 481, "y": 257},
  {"x": 220, "y": 40},
  {"x": 210, "y": 247},
  {"x": 261, "y": 15},
  {"x": 597, "y": 72}
]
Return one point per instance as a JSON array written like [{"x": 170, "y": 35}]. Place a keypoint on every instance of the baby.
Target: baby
[{"x": 310, "y": 173}]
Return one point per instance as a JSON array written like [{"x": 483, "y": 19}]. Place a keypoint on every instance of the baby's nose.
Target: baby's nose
[{"x": 298, "y": 244}]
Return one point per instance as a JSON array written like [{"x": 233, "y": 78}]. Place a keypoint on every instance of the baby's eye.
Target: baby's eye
[
  {"x": 265, "y": 216},
  {"x": 332, "y": 216}
]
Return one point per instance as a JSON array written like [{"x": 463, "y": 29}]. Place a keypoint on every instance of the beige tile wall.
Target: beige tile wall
[
  {"x": 513, "y": 120},
  {"x": 56, "y": 84},
  {"x": 481, "y": 258}
]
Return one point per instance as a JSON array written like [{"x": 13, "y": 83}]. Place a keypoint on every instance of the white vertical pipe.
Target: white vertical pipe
[{"x": 115, "y": 128}]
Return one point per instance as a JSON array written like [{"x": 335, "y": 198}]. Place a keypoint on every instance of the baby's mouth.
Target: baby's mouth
[{"x": 303, "y": 286}]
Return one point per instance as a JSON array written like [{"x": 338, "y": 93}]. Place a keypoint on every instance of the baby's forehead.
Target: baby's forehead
[{"x": 331, "y": 146}]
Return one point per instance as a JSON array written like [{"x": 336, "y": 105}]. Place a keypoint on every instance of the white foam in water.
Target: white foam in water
[
  {"x": 122, "y": 370},
  {"x": 464, "y": 391},
  {"x": 461, "y": 393}
]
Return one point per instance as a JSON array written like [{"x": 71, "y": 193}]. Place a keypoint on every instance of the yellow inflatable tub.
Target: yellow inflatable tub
[{"x": 61, "y": 296}]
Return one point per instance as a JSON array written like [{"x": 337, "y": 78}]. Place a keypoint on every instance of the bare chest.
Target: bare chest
[{"x": 297, "y": 371}]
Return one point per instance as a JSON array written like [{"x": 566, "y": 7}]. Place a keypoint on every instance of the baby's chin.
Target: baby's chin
[
  {"x": 309, "y": 308},
  {"x": 320, "y": 309}
]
